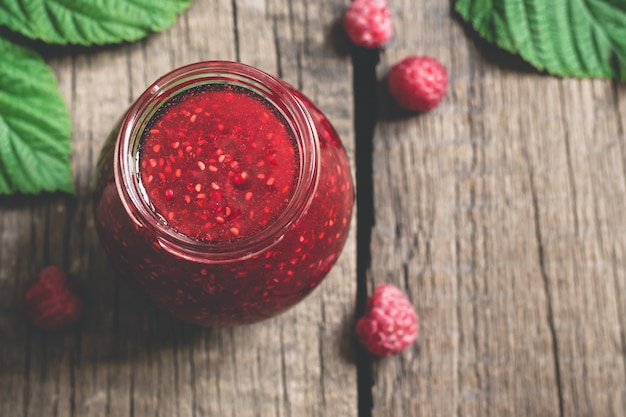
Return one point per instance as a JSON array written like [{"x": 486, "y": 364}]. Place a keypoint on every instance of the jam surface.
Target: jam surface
[
  {"x": 217, "y": 163},
  {"x": 246, "y": 289}
]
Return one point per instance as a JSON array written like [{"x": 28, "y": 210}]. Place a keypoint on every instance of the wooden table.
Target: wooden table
[{"x": 500, "y": 213}]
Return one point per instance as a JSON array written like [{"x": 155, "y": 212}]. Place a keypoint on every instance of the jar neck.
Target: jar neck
[{"x": 277, "y": 95}]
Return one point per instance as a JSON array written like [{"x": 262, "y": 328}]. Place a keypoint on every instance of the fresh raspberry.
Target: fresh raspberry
[
  {"x": 368, "y": 22},
  {"x": 390, "y": 324},
  {"x": 418, "y": 83},
  {"x": 50, "y": 301}
]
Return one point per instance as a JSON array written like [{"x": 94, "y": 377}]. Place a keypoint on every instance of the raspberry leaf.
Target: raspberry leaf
[
  {"x": 578, "y": 38},
  {"x": 35, "y": 145},
  {"x": 88, "y": 22}
]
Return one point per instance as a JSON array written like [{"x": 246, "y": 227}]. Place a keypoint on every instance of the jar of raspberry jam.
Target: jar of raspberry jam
[{"x": 224, "y": 195}]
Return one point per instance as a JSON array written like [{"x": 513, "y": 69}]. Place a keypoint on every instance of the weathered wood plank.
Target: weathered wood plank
[
  {"x": 578, "y": 194},
  {"x": 500, "y": 213},
  {"x": 127, "y": 359}
]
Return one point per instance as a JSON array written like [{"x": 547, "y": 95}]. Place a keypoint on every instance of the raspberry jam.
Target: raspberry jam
[
  {"x": 218, "y": 164},
  {"x": 224, "y": 196}
]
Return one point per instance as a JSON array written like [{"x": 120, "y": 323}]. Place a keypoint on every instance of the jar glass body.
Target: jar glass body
[{"x": 242, "y": 280}]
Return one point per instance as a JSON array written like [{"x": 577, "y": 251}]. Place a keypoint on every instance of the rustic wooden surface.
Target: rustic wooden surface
[{"x": 500, "y": 213}]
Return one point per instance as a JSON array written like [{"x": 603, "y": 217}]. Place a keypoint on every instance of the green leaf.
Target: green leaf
[
  {"x": 89, "y": 22},
  {"x": 579, "y": 38},
  {"x": 35, "y": 128}
]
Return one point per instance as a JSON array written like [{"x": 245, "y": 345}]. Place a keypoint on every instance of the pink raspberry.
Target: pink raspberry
[
  {"x": 390, "y": 324},
  {"x": 418, "y": 83},
  {"x": 50, "y": 301},
  {"x": 368, "y": 22}
]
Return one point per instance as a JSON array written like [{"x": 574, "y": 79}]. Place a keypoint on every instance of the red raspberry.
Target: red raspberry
[
  {"x": 390, "y": 324},
  {"x": 418, "y": 83},
  {"x": 368, "y": 22},
  {"x": 50, "y": 301}
]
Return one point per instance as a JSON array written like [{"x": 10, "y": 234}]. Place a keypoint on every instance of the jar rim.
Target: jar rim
[{"x": 278, "y": 95}]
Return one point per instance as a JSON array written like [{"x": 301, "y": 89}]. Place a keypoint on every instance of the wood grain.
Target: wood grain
[
  {"x": 501, "y": 214},
  {"x": 127, "y": 359}
]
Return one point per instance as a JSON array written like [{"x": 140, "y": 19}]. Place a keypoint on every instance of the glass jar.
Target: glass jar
[{"x": 224, "y": 195}]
